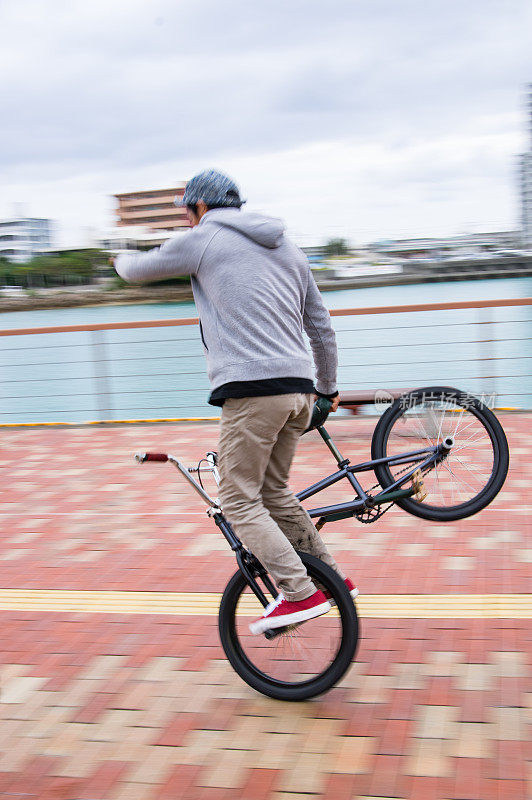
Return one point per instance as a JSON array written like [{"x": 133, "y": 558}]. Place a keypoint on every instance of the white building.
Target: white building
[
  {"x": 21, "y": 238},
  {"x": 132, "y": 237},
  {"x": 525, "y": 164},
  {"x": 466, "y": 243}
]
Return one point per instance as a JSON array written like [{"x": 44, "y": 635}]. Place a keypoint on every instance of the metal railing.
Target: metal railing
[{"x": 156, "y": 370}]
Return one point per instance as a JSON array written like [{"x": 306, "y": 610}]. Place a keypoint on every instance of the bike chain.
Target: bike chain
[{"x": 373, "y": 515}]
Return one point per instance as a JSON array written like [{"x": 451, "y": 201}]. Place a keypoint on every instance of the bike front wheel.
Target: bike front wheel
[
  {"x": 302, "y": 660},
  {"x": 470, "y": 475}
]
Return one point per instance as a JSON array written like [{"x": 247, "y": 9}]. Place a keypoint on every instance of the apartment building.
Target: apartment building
[
  {"x": 525, "y": 179},
  {"x": 21, "y": 238},
  {"x": 153, "y": 208}
]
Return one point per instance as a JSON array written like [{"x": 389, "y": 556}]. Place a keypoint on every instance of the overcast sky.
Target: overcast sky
[{"x": 359, "y": 118}]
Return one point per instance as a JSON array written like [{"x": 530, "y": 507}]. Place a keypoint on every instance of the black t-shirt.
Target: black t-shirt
[{"x": 263, "y": 388}]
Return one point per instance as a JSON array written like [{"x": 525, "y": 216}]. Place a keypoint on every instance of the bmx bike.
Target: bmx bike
[{"x": 438, "y": 453}]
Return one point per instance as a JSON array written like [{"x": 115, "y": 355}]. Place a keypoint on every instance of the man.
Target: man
[{"x": 255, "y": 294}]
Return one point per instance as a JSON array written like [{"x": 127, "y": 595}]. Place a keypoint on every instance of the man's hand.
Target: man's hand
[
  {"x": 335, "y": 402},
  {"x": 112, "y": 261}
]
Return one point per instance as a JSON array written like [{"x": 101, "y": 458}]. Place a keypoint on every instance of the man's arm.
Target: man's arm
[
  {"x": 178, "y": 256},
  {"x": 317, "y": 324}
]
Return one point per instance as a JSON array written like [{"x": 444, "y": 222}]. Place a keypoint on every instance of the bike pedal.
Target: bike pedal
[{"x": 418, "y": 486}]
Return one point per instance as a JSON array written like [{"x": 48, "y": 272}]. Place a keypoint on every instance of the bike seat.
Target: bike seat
[{"x": 320, "y": 412}]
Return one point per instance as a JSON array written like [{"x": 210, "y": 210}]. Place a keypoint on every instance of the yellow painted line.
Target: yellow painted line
[
  {"x": 166, "y": 419},
  {"x": 105, "y": 422},
  {"x": 376, "y": 606}
]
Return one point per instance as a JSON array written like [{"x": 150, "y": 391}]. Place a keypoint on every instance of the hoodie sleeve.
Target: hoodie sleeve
[
  {"x": 180, "y": 255},
  {"x": 318, "y": 327}
]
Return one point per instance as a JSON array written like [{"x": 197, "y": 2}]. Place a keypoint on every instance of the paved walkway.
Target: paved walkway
[{"x": 113, "y": 683}]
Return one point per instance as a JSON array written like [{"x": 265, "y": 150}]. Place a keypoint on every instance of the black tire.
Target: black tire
[
  {"x": 491, "y": 442},
  {"x": 241, "y": 646}
]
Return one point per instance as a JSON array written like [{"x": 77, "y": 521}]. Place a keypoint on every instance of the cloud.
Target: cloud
[{"x": 112, "y": 96}]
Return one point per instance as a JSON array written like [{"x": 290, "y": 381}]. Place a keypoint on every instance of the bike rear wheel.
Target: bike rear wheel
[
  {"x": 303, "y": 660},
  {"x": 471, "y": 474}
]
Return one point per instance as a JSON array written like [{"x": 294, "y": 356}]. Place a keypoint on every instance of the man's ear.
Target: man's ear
[{"x": 202, "y": 208}]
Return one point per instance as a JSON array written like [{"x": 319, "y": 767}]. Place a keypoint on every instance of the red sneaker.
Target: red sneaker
[
  {"x": 282, "y": 612},
  {"x": 353, "y": 591}
]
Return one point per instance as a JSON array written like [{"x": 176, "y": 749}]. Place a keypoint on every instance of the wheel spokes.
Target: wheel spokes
[
  {"x": 469, "y": 465},
  {"x": 296, "y": 655}
]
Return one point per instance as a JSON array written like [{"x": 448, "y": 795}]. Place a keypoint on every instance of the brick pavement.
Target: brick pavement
[{"x": 115, "y": 705}]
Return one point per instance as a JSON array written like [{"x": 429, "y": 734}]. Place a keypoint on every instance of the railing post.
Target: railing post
[
  {"x": 486, "y": 327},
  {"x": 101, "y": 375}
]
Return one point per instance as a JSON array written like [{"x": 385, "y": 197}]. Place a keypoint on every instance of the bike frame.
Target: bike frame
[
  {"x": 422, "y": 459},
  {"x": 251, "y": 566}
]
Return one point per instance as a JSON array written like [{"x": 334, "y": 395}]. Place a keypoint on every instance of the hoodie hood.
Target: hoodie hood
[{"x": 266, "y": 231}]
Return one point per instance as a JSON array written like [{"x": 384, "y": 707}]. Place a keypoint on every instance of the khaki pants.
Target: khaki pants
[{"x": 258, "y": 439}]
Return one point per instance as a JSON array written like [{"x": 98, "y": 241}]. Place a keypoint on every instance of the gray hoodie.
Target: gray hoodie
[{"x": 255, "y": 294}]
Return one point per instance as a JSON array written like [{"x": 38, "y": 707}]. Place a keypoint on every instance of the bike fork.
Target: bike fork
[
  {"x": 248, "y": 564},
  {"x": 251, "y": 569}
]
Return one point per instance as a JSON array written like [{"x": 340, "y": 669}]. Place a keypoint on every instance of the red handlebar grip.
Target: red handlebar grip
[{"x": 156, "y": 457}]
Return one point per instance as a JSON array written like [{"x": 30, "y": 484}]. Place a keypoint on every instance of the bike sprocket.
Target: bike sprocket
[
  {"x": 371, "y": 514},
  {"x": 374, "y": 513}
]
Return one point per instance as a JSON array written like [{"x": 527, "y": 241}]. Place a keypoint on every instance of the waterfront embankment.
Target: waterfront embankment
[
  {"x": 94, "y": 296},
  {"x": 91, "y": 296}
]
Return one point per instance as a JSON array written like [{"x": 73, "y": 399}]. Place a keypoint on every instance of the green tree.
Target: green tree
[
  {"x": 336, "y": 247},
  {"x": 59, "y": 269}
]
